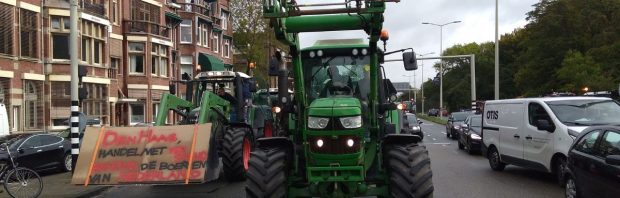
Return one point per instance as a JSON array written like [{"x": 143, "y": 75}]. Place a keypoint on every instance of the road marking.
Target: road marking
[
  {"x": 441, "y": 143},
  {"x": 434, "y": 139},
  {"x": 429, "y": 135},
  {"x": 444, "y": 133}
]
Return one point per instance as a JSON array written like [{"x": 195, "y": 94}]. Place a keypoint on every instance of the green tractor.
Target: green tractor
[
  {"x": 236, "y": 124},
  {"x": 346, "y": 138}
]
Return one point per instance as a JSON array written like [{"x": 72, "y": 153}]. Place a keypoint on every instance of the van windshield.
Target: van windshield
[{"x": 586, "y": 112}]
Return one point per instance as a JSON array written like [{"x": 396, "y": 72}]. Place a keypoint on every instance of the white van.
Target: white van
[
  {"x": 4, "y": 121},
  {"x": 537, "y": 132}
]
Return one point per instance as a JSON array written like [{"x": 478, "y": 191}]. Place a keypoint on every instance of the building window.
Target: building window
[
  {"x": 203, "y": 34},
  {"x": 137, "y": 113},
  {"x": 216, "y": 42},
  {"x": 6, "y": 28},
  {"x": 33, "y": 103},
  {"x": 60, "y": 27},
  {"x": 186, "y": 31},
  {"x": 116, "y": 12},
  {"x": 114, "y": 65},
  {"x": 224, "y": 18},
  {"x": 186, "y": 65},
  {"x": 226, "y": 48},
  {"x": 95, "y": 105},
  {"x": 92, "y": 42},
  {"x": 143, "y": 11},
  {"x": 155, "y": 110},
  {"x": 28, "y": 33},
  {"x": 159, "y": 60},
  {"x": 136, "y": 58}
]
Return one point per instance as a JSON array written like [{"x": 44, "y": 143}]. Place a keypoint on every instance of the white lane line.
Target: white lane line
[
  {"x": 444, "y": 133},
  {"x": 434, "y": 139},
  {"x": 441, "y": 143},
  {"x": 429, "y": 135}
]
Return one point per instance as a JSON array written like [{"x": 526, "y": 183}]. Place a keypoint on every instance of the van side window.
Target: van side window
[
  {"x": 537, "y": 112},
  {"x": 587, "y": 142}
]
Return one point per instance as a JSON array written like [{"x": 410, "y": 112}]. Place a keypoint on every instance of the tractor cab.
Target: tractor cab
[{"x": 234, "y": 87}]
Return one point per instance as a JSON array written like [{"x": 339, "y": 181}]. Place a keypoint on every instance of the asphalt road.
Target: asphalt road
[{"x": 455, "y": 174}]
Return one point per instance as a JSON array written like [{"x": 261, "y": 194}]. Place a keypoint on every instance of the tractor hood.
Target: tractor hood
[{"x": 335, "y": 107}]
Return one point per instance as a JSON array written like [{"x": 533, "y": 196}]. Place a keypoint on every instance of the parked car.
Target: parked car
[
  {"x": 469, "y": 135},
  {"x": 433, "y": 112},
  {"x": 455, "y": 121},
  {"x": 414, "y": 124},
  {"x": 537, "y": 133},
  {"x": 593, "y": 168},
  {"x": 37, "y": 151}
]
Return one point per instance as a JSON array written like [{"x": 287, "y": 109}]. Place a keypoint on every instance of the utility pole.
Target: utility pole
[
  {"x": 75, "y": 106},
  {"x": 422, "y": 85},
  {"x": 496, "y": 51},
  {"x": 440, "y": 60}
]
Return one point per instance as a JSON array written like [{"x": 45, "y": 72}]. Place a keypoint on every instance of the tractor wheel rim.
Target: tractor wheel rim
[{"x": 246, "y": 153}]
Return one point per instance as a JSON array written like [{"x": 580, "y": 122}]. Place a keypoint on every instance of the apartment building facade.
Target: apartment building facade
[{"x": 132, "y": 49}]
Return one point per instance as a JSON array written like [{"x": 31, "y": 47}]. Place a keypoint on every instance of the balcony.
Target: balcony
[
  {"x": 194, "y": 8},
  {"x": 93, "y": 8},
  {"x": 146, "y": 27}
]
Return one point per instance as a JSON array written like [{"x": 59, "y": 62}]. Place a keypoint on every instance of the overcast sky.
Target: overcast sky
[{"x": 404, "y": 22}]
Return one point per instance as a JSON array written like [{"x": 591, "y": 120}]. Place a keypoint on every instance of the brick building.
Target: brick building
[{"x": 132, "y": 49}]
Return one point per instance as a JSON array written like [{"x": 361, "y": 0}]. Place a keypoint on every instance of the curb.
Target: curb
[{"x": 93, "y": 193}]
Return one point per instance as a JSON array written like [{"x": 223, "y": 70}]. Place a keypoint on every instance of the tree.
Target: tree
[{"x": 579, "y": 71}]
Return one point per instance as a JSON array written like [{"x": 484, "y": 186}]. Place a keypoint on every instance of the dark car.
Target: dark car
[
  {"x": 593, "y": 168},
  {"x": 37, "y": 151},
  {"x": 414, "y": 124},
  {"x": 433, "y": 112},
  {"x": 455, "y": 121},
  {"x": 469, "y": 135}
]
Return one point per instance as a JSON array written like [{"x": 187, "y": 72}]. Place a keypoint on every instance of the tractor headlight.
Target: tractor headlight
[
  {"x": 319, "y": 143},
  {"x": 350, "y": 142},
  {"x": 317, "y": 122},
  {"x": 475, "y": 136},
  {"x": 276, "y": 109},
  {"x": 351, "y": 122}
]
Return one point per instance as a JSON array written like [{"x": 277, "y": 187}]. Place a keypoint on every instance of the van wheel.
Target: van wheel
[
  {"x": 494, "y": 160},
  {"x": 560, "y": 166}
]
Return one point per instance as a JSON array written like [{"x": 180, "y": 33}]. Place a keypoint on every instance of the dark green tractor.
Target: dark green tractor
[
  {"x": 346, "y": 139},
  {"x": 237, "y": 123}
]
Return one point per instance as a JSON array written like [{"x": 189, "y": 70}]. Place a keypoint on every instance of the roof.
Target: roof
[
  {"x": 338, "y": 43},
  {"x": 547, "y": 99}
]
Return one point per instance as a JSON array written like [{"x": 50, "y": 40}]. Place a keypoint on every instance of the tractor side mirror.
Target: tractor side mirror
[
  {"x": 390, "y": 90},
  {"x": 410, "y": 61}
]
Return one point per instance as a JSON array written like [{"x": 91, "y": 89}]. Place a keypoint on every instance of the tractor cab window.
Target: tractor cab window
[{"x": 333, "y": 76}]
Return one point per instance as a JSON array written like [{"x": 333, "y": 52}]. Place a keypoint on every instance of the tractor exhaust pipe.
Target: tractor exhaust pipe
[{"x": 283, "y": 95}]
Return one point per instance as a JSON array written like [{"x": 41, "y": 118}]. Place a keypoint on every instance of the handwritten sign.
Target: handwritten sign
[{"x": 143, "y": 155}]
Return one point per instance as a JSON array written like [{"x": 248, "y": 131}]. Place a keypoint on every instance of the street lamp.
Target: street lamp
[
  {"x": 440, "y": 60},
  {"x": 422, "y": 85}
]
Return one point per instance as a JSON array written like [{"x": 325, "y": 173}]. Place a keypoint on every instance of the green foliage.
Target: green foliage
[
  {"x": 432, "y": 119},
  {"x": 566, "y": 46}
]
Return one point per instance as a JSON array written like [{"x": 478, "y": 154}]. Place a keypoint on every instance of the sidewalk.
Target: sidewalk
[{"x": 59, "y": 185}]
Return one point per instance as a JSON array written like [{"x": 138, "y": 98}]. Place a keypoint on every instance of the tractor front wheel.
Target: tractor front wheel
[
  {"x": 409, "y": 168},
  {"x": 236, "y": 147},
  {"x": 267, "y": 174}
]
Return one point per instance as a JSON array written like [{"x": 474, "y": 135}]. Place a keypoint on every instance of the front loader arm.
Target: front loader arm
[
  {"x": 174, "y": 103},
  {"x": 210, "y": 104}
]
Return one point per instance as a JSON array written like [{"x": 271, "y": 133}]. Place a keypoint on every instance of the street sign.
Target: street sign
[{"x": 143, "y": 155}]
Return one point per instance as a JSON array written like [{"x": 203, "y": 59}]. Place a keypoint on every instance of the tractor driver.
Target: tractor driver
[{"x": 222, "y": 93}]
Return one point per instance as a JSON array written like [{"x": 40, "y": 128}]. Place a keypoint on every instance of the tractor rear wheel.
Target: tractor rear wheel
[
  {"x": 267, "y": 174},
  {"x": 409, "y": 168},
  {"x": 236, "y": 147}
]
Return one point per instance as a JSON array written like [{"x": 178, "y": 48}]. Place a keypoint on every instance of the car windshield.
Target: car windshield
[
  {"x": 586, "y": 112},
  {"x": 412, "y": 119},
  {"x": 475, "y": 121},
  {"x": 459, "y": 117},
  {"x": 337, "y": 75}
]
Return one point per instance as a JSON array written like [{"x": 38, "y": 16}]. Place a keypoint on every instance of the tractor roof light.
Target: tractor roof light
[
  {"x": 355, "y": 52},
  {"x": 319, "y": 53},
  {"x": 385, "y": 35},
  {"x": 312, "y": 54}
]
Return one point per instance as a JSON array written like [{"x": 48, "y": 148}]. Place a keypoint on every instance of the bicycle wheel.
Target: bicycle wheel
[{"x": 23, "y": 183}]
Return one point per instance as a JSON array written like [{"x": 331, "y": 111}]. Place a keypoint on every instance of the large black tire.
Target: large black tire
[
  {"x": 409, "y": 168},
  {"x": 558, "y": 169},
  {"x": 495, "y": 161},
  {"x": 267, "y": 174},
  {"x": 232, "y": 153}
]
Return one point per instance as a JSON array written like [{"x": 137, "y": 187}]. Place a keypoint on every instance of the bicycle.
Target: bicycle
[{"x": 20, "y": 182}]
